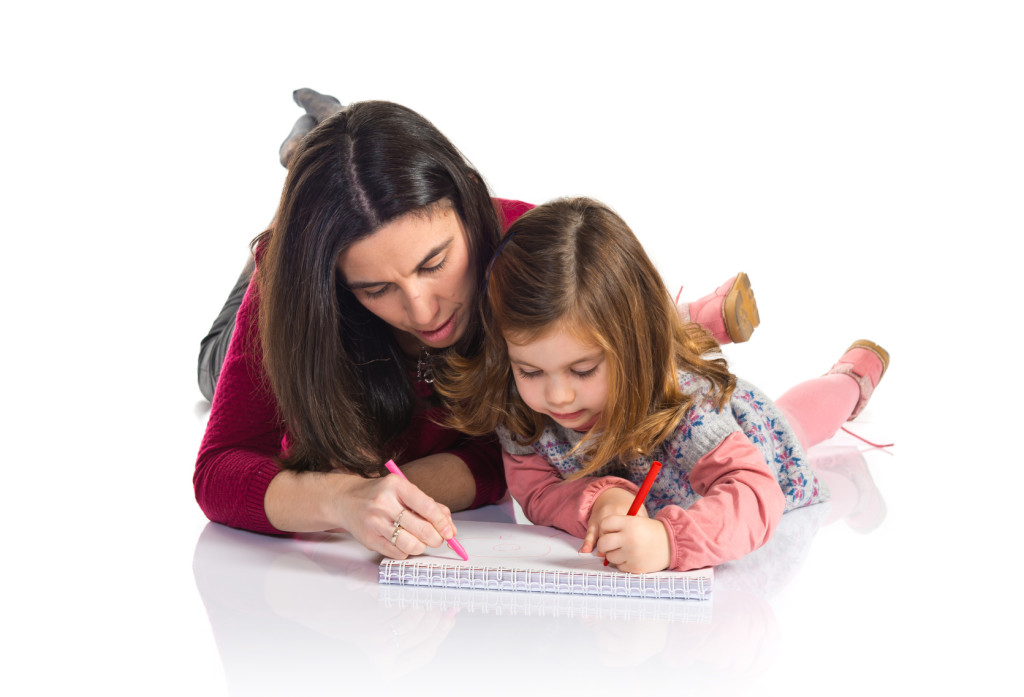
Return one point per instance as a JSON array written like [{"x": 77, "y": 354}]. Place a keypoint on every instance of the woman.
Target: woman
[{"x": 373, "y": 262}]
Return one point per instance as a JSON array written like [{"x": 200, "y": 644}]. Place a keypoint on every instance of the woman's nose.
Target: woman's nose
[{"x": 422, "y": 308}]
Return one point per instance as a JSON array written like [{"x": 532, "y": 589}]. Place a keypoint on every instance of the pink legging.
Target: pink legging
[{"x": 818, "y": 407}]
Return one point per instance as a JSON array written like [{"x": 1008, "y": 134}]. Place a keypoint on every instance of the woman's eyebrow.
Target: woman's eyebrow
[
  {"x": 435, "y": 251},
  {"x": 427, "y": 257}
]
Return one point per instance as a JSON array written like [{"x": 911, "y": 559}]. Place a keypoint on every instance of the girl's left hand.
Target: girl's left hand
[
  {"x": 635, "y": 545},
  {"x": 611, "y": 501}
]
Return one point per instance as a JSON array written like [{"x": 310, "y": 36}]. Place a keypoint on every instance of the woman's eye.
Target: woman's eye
[
  {"x": 436, "y": 267},
  {"x": 377, "y": 293}
]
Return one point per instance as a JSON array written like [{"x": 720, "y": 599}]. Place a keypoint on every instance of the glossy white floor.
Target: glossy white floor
[{"x": 862, "y": 164}]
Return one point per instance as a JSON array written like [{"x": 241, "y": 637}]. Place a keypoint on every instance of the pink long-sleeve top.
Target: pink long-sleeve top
[
  {"x": 741, "y": 503},
  {"x": 728, "y": 476},
  {"x": 238, "y": 456}
]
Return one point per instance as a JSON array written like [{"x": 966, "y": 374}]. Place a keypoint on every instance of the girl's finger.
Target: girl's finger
[
  {"x": 608, "y": 544},
  {"x": 588, "y": 540}
]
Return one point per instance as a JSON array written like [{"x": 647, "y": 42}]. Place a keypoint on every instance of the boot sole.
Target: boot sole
[
  {"x": 740, "y": 310},
  {"x": 874, "y": 348}
]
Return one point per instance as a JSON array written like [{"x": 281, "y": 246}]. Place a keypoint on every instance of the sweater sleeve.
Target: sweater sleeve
[
  {"x": 740, "y": 508},
  {"x": 547, "y": 499},
  {"x": 236, "y": 460},
  {"x": 509, "y": 211}
]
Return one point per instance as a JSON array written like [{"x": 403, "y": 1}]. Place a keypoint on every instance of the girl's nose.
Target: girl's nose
[{"x": 559, "y": 392}]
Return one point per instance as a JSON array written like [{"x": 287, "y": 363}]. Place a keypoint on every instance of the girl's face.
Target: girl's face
[
  {"x": 561, "y": 376},
  {"x": 415, "y": 273}
]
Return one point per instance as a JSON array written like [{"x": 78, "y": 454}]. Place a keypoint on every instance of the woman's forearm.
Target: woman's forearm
[
  {"x": 318, "y": 501},
  {"x": 308, "y": 501},
  {"x": 445, "y": 478},
  {"x": 369, "y": 508}
]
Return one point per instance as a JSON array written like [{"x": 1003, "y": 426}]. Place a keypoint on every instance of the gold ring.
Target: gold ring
[
  {"x": 398, "y": 529},
  {"x": 398, "y": 520}
]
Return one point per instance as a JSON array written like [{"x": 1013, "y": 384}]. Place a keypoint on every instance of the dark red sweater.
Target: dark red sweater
[{"x": 244, "y": 434}]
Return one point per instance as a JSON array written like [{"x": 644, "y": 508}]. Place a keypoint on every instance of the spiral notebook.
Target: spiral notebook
[{"x": 539, "y": 559}]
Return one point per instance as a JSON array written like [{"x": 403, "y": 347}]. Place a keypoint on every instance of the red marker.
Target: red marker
[
  {"x": 638, "y": 501},
  {"x": 453, "y": 544}
]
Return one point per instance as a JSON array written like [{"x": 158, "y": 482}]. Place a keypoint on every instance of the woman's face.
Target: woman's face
[{"x": 415, "y": 273}]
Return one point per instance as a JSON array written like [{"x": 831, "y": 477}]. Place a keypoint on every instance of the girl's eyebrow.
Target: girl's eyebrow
[
  {"x": 427, "y": 257},
  {"x": 585, "y": 359}
]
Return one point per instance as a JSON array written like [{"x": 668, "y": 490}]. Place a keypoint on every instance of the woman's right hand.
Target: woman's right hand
[
  {"x": 366, "y": 508},
  {"x": 371, "y": 507}
]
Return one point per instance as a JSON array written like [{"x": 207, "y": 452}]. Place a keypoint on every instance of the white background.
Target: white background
[{"x": 862, "y": 162}]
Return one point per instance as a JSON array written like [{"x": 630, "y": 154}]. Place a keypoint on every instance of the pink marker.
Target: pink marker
[{"x": 453, "y": 544}]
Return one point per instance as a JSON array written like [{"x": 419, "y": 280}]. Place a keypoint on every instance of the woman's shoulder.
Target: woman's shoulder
[{"x": 510, "y": 210}]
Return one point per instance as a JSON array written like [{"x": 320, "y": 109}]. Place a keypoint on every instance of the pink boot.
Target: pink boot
[
  {"x": 730, "y": 313},
  {"x": 865, "y": 362}
]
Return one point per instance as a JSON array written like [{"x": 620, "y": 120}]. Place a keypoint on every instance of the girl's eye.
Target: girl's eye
[
  {"x": 527, "y": 375},
  {"x": 585, "y": 373}
]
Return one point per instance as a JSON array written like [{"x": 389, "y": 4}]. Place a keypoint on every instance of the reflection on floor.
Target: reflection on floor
[{"x": 294, "y": 614}]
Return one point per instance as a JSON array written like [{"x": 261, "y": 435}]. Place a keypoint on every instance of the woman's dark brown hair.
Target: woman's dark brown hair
[
  {"x": 575, "y": 264},
  {"x": 335, "y": 369}
]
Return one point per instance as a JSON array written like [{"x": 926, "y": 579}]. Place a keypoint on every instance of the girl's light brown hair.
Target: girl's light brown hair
[{"x": 575, "y": 264}]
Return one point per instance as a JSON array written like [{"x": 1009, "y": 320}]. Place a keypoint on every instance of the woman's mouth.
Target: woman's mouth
[{"x": 439, "y": 335}]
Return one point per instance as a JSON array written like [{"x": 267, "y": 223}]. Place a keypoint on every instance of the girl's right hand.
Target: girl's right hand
[{"x": 371, "y": 507}]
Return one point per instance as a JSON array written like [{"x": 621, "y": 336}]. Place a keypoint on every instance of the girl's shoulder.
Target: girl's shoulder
[
  {"x": 705, "y": 425},
  {"x": 556, "y": 444},
  {"x": 692, "y": 384},
  {"x": 510, "y": 444}
]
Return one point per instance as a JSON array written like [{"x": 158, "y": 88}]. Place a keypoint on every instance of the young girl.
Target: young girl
[{"x": 589, "y": 375}]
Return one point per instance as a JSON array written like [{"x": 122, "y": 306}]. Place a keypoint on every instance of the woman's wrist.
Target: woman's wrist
[{"x": 308, "y": 501}]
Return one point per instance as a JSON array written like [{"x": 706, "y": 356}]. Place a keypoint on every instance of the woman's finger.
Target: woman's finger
[
  {"x": 431, "y": 522},
  {"x": 406, "y": 543},
  {"x": 421, "y": 530}
]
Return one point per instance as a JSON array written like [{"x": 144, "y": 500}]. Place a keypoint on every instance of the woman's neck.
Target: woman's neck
[{"x": 409, "y": 344}]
